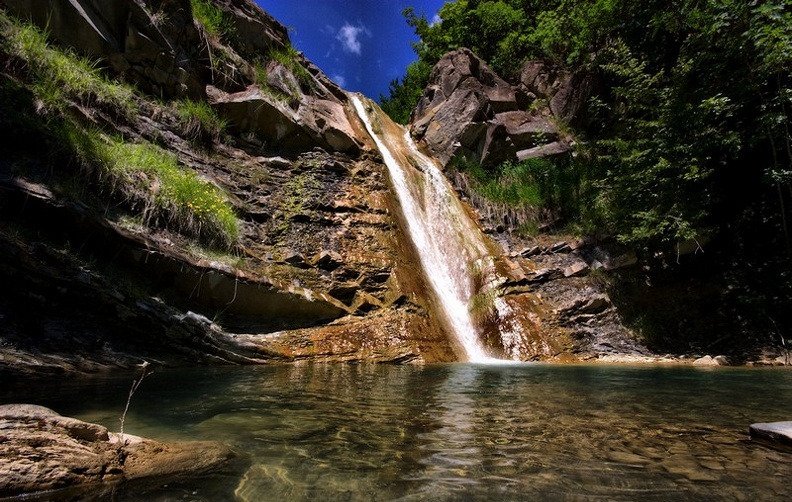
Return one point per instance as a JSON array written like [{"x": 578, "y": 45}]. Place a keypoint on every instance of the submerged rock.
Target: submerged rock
[{"x": 43, "y": 451}]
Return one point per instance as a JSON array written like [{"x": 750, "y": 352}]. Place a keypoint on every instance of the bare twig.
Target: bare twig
[{"x": 135, "y": 384}]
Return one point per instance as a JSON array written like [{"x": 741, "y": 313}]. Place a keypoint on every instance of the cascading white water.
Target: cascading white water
[{"x": 444, "y": 235}]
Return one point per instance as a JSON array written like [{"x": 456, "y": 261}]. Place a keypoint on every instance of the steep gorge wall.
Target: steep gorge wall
[
  {"x": 318, "y": 270},
  {"x": 468, "y": 111}
]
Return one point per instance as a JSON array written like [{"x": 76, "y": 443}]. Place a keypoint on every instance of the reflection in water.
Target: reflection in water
[{"x": 454, "y": 432}]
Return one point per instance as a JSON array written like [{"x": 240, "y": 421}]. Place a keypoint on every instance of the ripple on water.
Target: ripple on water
[{"x": 456, "y": 431}]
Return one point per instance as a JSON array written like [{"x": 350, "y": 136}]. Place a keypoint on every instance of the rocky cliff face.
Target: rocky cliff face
[
  {"x": 469, "y": 111},
  {"x": 317, "y": 271},
  {"x": 98, "y": 272}
]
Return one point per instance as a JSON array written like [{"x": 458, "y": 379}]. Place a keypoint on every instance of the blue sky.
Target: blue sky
[{"x": 361, "y": 44}]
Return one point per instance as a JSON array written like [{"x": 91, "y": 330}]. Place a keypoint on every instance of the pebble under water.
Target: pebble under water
[{"x": 452, "y": 432}]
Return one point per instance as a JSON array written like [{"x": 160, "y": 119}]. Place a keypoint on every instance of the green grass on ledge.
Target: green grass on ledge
[
  {"x": 168, "y": 194},
  {"x": 58, "y": 75},
  {"x": 211, "y": 17},
  {"x": 199, "y": 121}
]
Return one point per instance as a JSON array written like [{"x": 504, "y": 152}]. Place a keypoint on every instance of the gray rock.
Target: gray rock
[
  {"x": 546, "y": 274},
  {"x": 567, "y": 93},
  {"x": 721, "y": 360},
  {"x": 711, "y": 361},
  {"x": 548, "y": 150},
  {"x": 774, "y": 432},
  {"x": 560, "y": 247},
  {"x": 469, "y": 110},
  {"x": 531, "y": 251},
  {"x": 315, "y": 123},
  {"x": 293, "y": 257},
  {"x": 327, "y": 260},
  {"x": 595, "y": 305}
]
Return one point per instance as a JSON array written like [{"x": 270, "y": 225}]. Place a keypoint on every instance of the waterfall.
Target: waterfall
[{"x": 451, "y": 248}]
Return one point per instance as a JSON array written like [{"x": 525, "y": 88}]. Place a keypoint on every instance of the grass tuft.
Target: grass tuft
[
  {"x": 514, "y": 184},
  {"x": 59, "y": 74},
  {"x": 290, "y": 58},
  {"x": 212, "y": 18},
  {"x": 150, "y": 177},
  {"x": 199, "y": 122}
]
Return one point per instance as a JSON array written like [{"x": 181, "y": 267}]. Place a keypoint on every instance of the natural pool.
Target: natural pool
[{"x": 452, "y": 432}]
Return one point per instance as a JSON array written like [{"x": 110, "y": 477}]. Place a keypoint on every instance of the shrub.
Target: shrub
[
  {"x": 511, "y": 183},
  {"x": 59, "y": 74}
]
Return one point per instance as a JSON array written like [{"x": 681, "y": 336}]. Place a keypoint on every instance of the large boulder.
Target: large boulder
[
  {"x": 43, "y": 451},
  {"x": 469, "y": 110},
  {"x": 566, "y": 93},
  {"x": 276, "y": 122},
  {"x": 779, "y": 433}
]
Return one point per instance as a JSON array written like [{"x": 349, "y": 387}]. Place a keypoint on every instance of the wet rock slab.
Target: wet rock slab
[
  {"x": 41, "y": 451},
  {"x": 773, "y": 432}
]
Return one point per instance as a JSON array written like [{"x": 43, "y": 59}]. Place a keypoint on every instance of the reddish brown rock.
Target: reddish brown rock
[{"x": 43, "y": 451}]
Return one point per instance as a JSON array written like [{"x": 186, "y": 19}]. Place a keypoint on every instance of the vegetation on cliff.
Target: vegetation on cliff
[
  {"x": 684, "y": 147},
  {"x": 691, "y": 129},
  {"x": 150, "y": 180}
]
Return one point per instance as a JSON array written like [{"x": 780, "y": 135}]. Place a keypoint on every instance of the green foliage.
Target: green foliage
[
  {"x": 152, "y": 178},
  {"x": 691, "y": 131},
  {"x": 290, "y": 58},
  {"x": 59, "y": 75},
  {"x": 212, "y": 18},
  {"x": 561, "y": 186},
  {"x": 200, "y": 122},
  {"x": 405, "y": 93},
  {"x": 261, "y": 76},
  {"x": 514, "y": 184}
]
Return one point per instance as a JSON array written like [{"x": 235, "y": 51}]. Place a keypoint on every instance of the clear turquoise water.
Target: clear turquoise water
[{"x": 453, "y": 432}]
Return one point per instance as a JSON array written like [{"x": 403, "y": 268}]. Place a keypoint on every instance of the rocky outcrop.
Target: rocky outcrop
[
  {"x": 318, "y": 270},
  {"x": 154, "y": 44},
  {"x": 314, "y": 122},
  {"x": 468, "y": 110},
  {"x": 576, "y": 305},
  {"x": 564, "y": 92},
  {"x": 41, "y": 451}
]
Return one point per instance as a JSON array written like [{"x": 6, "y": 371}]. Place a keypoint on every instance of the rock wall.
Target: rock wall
[
  {"x": 467, "y": 110},
  {"x": 319, "y": 271}
]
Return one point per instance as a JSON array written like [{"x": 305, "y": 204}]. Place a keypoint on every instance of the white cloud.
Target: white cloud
[
  {"x": 435, "y": 20},
  {"x": 339, "y": 79},
  {"x": 349, "y": 36}
]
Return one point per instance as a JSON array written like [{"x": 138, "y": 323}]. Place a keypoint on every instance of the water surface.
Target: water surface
[{"x": 453, "y": 432}]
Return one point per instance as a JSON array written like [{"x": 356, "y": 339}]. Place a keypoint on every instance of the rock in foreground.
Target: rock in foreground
[
  {"x": 43, "y": 451},
  {"x": 774, "y": 432}
]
